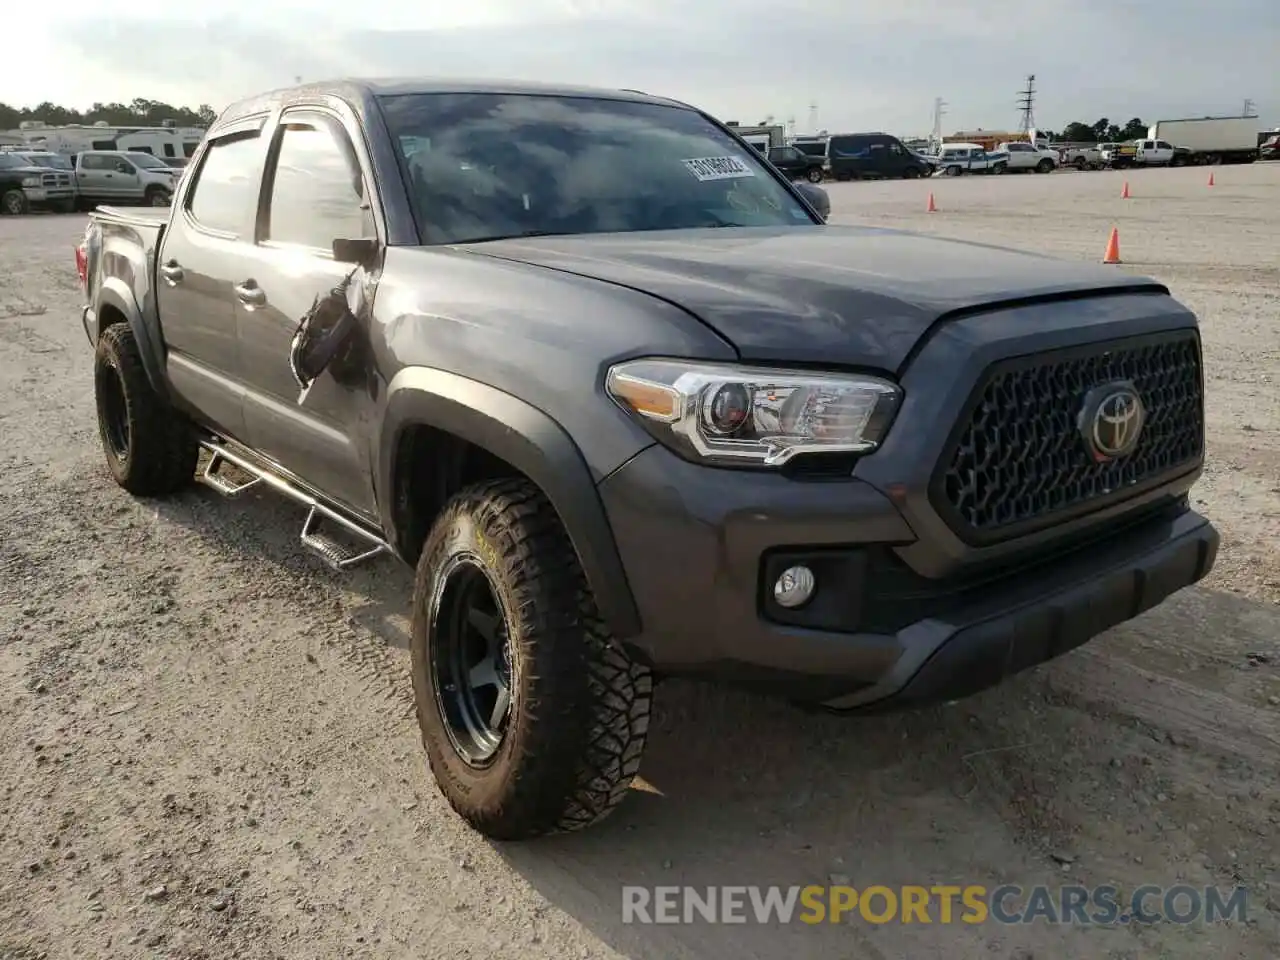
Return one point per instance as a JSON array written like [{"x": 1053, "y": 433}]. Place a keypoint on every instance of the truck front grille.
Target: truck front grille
[
  {"x": 56, "y": 179},
  {"x": 1019, "y": 461}
]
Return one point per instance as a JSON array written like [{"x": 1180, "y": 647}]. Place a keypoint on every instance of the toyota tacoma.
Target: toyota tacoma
[{"x": 606, "y": 379}]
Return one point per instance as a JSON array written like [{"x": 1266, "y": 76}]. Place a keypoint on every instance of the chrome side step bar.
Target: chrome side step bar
[{"x": 333, "y": 552}]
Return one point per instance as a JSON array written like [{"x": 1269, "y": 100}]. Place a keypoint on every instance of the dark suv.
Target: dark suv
[
  {"x": 797, "y": 164},
  {"x": 855, "y": 156}
]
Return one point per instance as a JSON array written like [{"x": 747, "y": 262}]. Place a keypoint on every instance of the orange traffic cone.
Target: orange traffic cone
[
  {"x": 932, "y": 207},
  {"x": 1124, "y": 194},
  {"x": 1113, "y": 248},
  {"x": 1211, "y": 178}
]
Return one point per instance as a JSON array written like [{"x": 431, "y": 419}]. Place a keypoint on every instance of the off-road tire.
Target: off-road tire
[
  {"x": 158, "y": 197},
  {"x": 579, "y": 704},
  {"x": 14, "y": 202},
  {"x": 814, "y": 175},
  {"x": 161, "y": 448}
]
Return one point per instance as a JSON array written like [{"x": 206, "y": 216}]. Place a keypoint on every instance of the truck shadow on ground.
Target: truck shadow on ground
[
  {"x": 746, "y": 790},
  {"x": 1067, "y": 759}
]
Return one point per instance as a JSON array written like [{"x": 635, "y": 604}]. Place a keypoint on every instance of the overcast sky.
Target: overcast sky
[{"x": 868, "y": 64}]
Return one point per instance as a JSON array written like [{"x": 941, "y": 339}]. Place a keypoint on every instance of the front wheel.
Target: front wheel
[
  {"x": 157, "y": 197},
  {"x": 1000, "y": 168},
  {"x": 953, "y": 171},
  {"x": 1081, "y": 164},
  {"x": 814, "y": 175},
  {"x": 911, "y": 173},
  {"x": 534, "y": 719},
  {"x": 1044, "y": 166},
  {"x": 14, "y": 202}
]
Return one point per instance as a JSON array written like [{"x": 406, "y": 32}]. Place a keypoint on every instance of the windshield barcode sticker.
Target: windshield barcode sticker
[{"x": 718, "y": 168}]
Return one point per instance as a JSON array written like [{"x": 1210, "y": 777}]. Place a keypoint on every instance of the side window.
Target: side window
[
  {"x": 168, "y": 149},
  {"x": 225, "y": 195},
  {"x": 1147, "y": 145},
  {"x": 1164, "y": 146},
  {"x": 896, "y": 149},
  {"x": 316, "y": 195}
]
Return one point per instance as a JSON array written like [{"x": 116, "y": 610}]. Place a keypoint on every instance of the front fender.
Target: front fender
[
  {"x": 533, "y": 443},
  {"x": 114, "y": 293}
]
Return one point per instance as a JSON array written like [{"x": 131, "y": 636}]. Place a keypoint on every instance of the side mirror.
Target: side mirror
[
  {"x": 355, "y": 251},
  {"x": 817, "y": 197}
]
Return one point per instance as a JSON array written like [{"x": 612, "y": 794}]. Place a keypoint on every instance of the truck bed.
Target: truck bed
[{"x": 144, "y": 217}]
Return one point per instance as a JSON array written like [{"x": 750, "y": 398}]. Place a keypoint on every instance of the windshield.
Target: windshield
[
  {"x": 55, "y": 161},
  {"x": 9, "y": 161},
  {"x": 146, "y": 160},
  {"x": 483, "y": 166}
]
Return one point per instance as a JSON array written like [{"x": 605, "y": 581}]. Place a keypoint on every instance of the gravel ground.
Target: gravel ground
[{"x": 212, "y": 751}]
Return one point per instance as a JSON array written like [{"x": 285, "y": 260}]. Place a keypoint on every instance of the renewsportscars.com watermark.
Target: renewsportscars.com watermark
[{"x": 972, "y": 904}]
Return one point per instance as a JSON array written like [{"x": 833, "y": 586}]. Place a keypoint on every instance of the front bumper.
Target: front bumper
[
  {"x": 702, "y": 548},
  {"x": 39, "y": 196}
]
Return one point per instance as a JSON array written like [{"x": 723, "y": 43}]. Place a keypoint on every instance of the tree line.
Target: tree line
[
  {"x": 138, "y": 113},
  {"x": 1103, "y": 131}
]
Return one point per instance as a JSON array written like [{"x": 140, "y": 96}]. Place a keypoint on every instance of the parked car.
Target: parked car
[
  {"x": 602, "y": 375},
  {"x": 1024, "y": 156},
  {"x": 858, "y": 156},
  {"x": 120, "y": 176},
  {"x": 797, "y": 164},
  {"x": 1082, "y": 158},
  {"x": 24, "y": 186},
  {"x": 959, "y": 158}
]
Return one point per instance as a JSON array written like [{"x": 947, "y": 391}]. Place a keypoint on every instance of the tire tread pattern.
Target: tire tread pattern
[
  {"x": 584, "y": 730},
  {"x": 163, "y": 449}
]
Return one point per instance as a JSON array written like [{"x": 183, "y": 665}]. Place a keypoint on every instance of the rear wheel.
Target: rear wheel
[
  {"x": 533, "y": 718},
  {"x": 13, "y": 201},
  {"x": 150, "y": 448}
]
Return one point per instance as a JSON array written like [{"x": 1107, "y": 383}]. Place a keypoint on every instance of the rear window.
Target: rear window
[
  {"x": 225, "y": 194},
  {"x": 481, "y": 166},
  {"x": 814, "y": 148}
]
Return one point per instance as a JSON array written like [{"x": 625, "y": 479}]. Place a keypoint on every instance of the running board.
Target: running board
[{"x": 336, "y": 554}]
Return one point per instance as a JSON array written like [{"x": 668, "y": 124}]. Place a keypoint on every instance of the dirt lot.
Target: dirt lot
[{"x": 211, "y": 751}]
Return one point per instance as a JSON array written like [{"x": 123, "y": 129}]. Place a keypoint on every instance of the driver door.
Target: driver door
[{"x": 316, "y": 193}]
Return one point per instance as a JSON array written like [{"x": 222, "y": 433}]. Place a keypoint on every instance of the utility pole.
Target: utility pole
[
  {"x": 1027, "y": 101},
  {"x": 813, "y": 116},
  {"x": 935, "y": 135},
  {"x": 1248, "y": 109}
]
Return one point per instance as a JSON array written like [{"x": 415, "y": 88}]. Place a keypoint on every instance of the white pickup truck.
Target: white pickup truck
[
  {"x": 957, "y": 158},
  {"x": 1025, "y": 156},
  {"x": 1083, "y": 158}
]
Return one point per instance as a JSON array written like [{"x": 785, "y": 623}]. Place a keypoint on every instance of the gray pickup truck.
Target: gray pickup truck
[{"x": 633, "y": 410}]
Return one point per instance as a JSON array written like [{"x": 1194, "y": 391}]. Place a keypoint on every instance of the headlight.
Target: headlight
[
  {"x": 754, "y": 415},
  {"x": 31, "y": 181}
]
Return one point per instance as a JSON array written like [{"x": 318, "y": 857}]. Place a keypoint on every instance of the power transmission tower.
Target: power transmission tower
[
  {"x": 1027, "y": 101},
  {"x": 1248, "y": 109}
]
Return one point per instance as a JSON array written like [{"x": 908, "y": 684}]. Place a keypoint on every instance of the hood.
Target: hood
[{"x": 848, "y": 295}]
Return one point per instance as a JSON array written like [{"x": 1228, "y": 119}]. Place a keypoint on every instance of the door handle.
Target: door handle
[
  {"x": 250, "y": 294},
  {"x": 171, "y": 272}
]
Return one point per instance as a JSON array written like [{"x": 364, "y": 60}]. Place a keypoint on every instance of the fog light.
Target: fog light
[{"x": 794, "y": 587}]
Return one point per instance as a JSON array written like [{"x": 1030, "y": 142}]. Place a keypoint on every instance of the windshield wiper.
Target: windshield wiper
[{"x": 514, "y": 236}]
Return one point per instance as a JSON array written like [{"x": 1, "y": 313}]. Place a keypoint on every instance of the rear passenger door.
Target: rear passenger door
[
  {"x": 205, "y": 246},
  {"x": 317, "y": 190}
]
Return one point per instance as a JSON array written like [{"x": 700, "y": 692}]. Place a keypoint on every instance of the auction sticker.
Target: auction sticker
[{"x": 718, "y": 168}]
